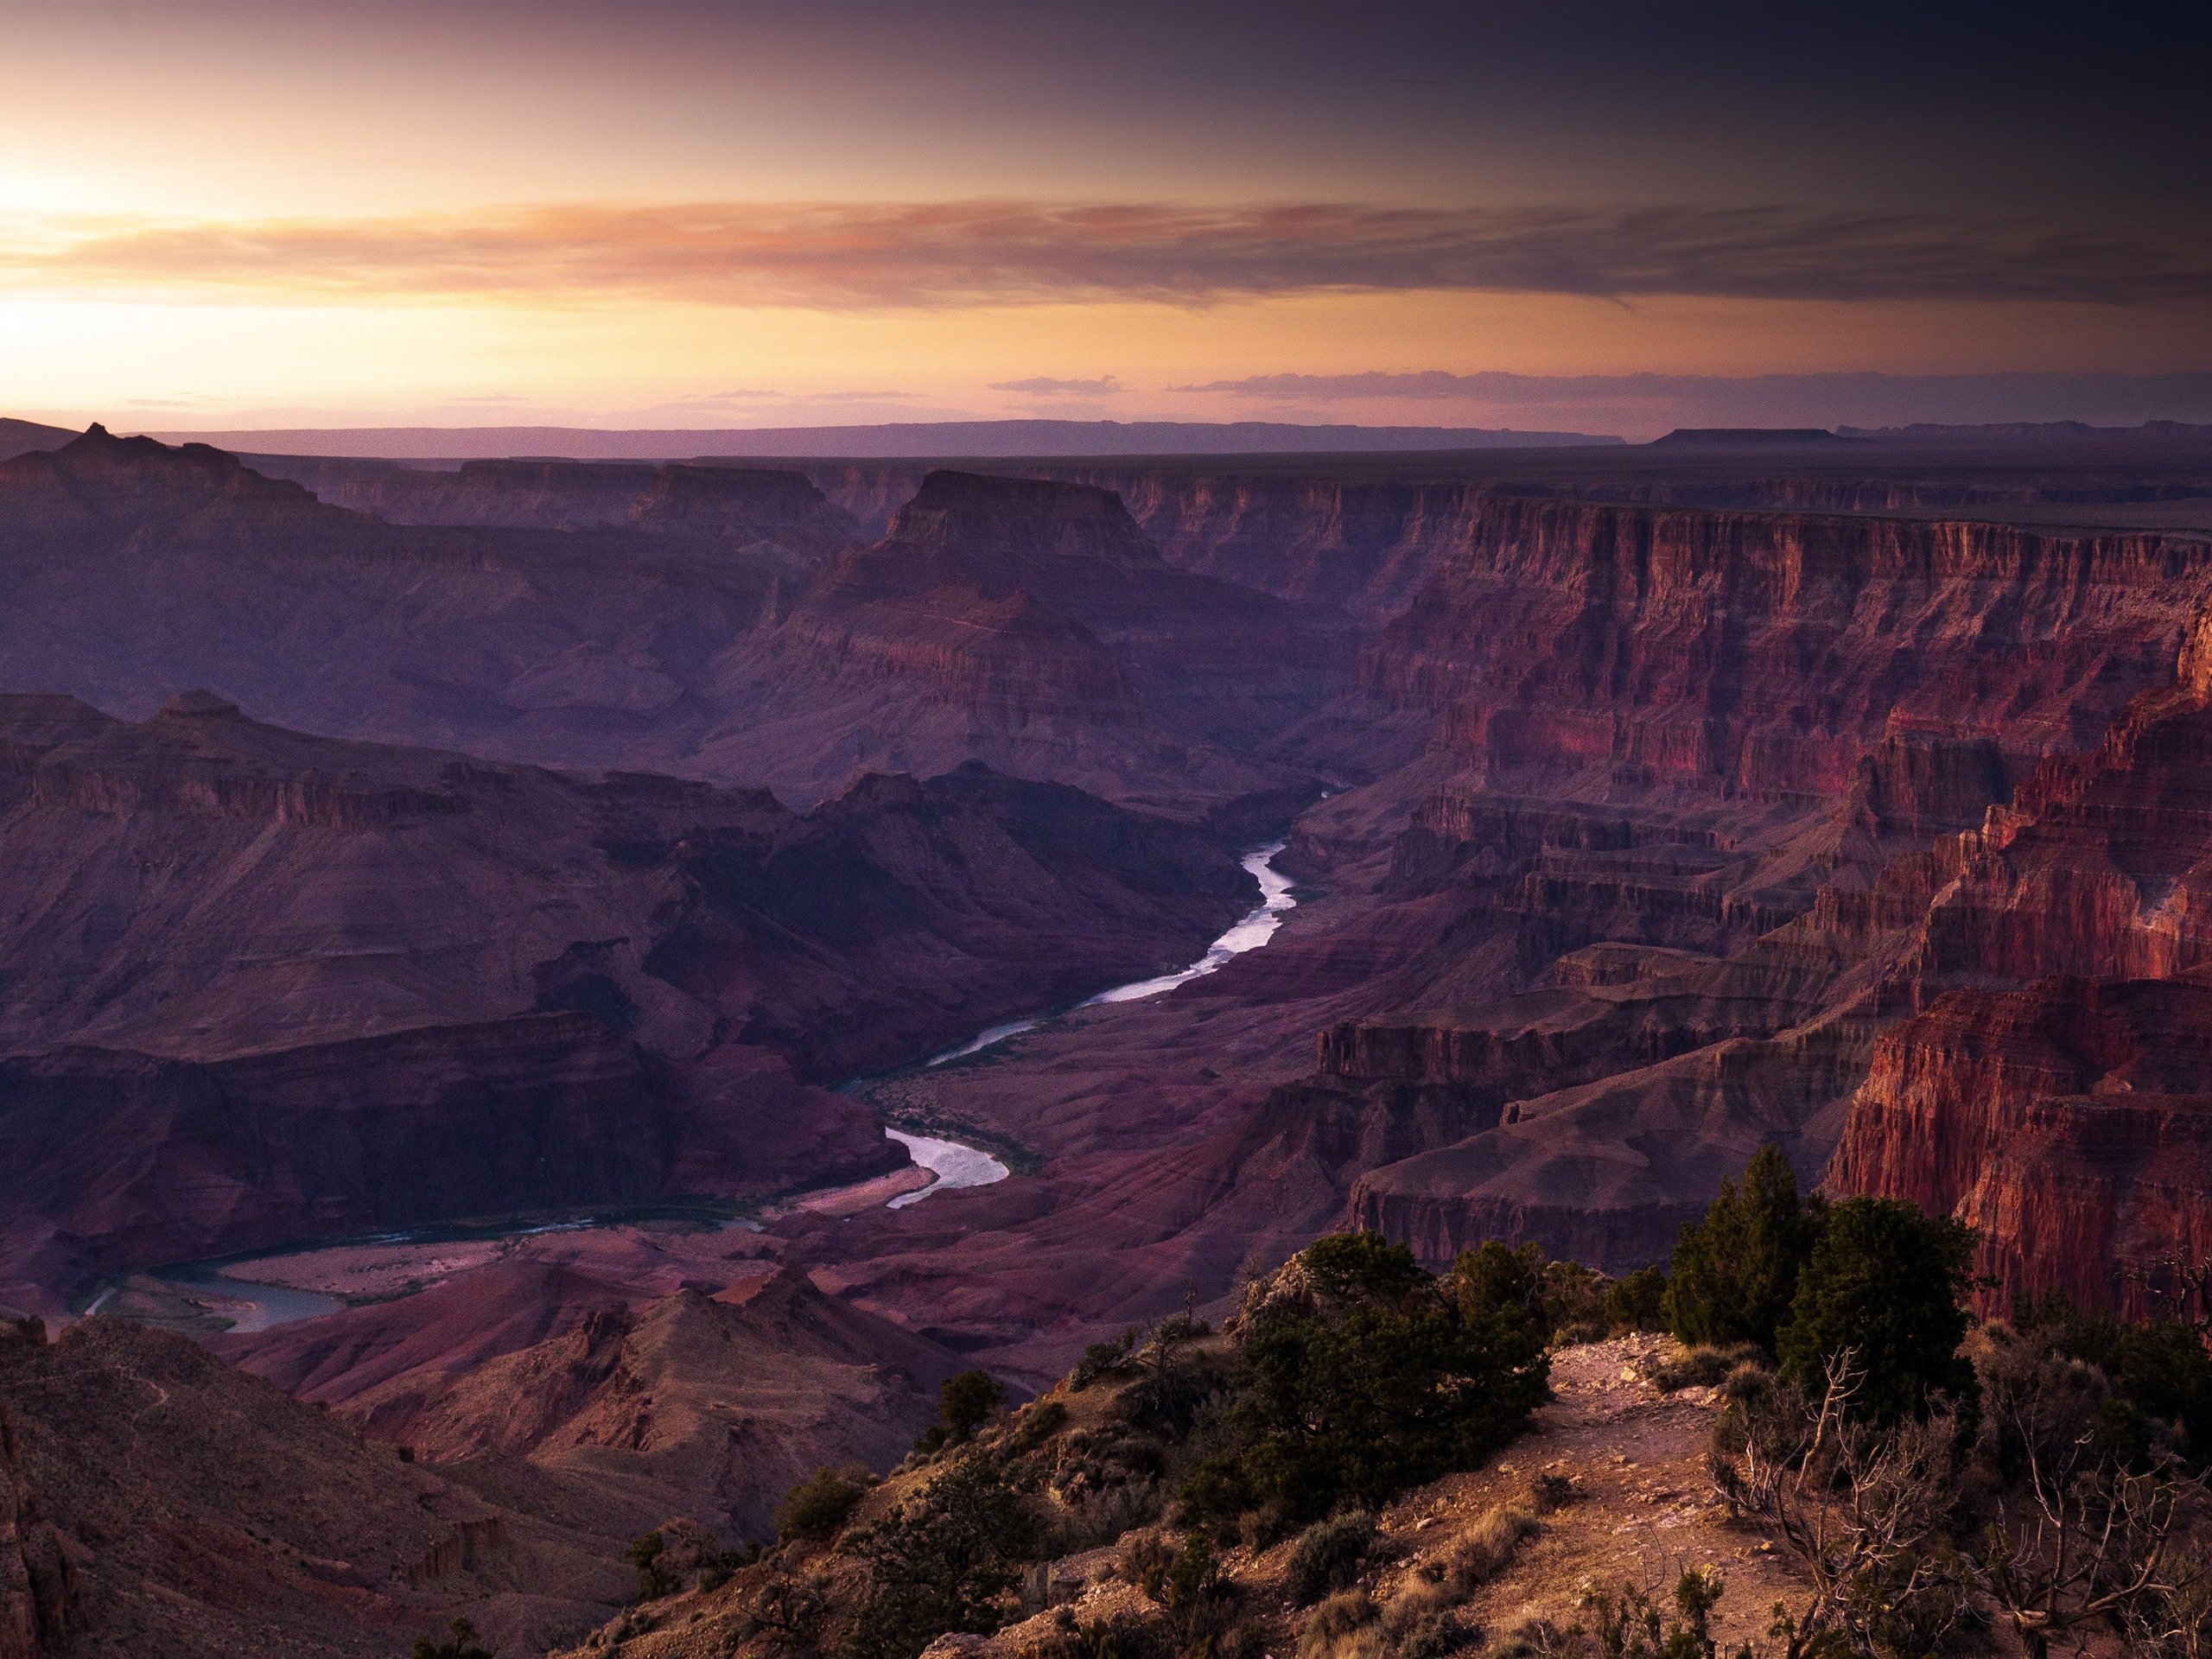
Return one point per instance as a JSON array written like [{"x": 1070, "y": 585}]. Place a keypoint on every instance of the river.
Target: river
[
  {"x": 958, "y": 1166},
  {"x": 257, "y": 1307}
]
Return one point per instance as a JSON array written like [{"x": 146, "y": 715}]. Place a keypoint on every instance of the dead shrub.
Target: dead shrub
[
  {"x": 1488, "y": 1547},
  {"x": 1703, "y": 1368},
  {"x": 1346, "y": 1626}
]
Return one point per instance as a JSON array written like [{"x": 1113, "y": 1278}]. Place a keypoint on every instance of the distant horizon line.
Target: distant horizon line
[
  {"x": 1032, "y": 438},
  {"x": 1009, "y": 438}
]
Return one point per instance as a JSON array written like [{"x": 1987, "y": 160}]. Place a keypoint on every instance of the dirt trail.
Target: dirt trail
[{"x": 1644, "y": 1509}]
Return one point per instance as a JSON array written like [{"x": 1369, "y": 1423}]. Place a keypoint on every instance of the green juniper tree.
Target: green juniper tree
[{"x": 1735, "y": 1272}]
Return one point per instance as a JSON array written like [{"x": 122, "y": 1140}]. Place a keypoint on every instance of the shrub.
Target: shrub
[
  {"x": 1120, "y": 1637},
  {"x": 939, "y": 1562},
  {"x": 1343, "y": 1627},
  {"x": 460, "y": 1644},
  {"x": 1167, "y": 1395},
  {"x": 1329, "y": 1555},
  {"x": 1376, "y": 1383},
  {"x": 1629, "y": 1625},
  {"x": 1735, "y": 1277},
  {"x": 1100, "y": 1516},
  {"x": 1884, "y": 1285},
  {"x": 1571, "y": 1302},
  {"x": 1488, "y": 1547},
  {"x": 1637, "y": 1302},
  {"x": 1038, "y": 1424},
  {"x": 1144, "y": 1563},
  {"x": 816, "y": 1507},
  {"x": 644, "y": 1553},
  {"x": 2162, "y": 1369},
  {"x": 1493, "y": 1279},
  {"x": 1549, "y": 1492},
  {"x": 965, "y": 1403},
  {"x": 1101, "y": 1359},
  {"x": 2158, "y": 1368},
  {"x": 1434, "y": 1635},
  {"x": 1197, "y": 1595},
  {"x": 1702, "y": 1368}
]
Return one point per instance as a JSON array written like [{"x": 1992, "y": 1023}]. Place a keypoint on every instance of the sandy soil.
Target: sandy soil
[
  {"x": 369, "y": 1272},
  {"x": 1644, "y": 1510},
  {"x": 839, "y": 1202}
]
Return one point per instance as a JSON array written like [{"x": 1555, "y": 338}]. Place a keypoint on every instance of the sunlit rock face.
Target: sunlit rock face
[{"x": 1728, "y": 795}]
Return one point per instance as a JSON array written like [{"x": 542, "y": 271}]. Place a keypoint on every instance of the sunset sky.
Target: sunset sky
[{"x": 644, "y": 215}]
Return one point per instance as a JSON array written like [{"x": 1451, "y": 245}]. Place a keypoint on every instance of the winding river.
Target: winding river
[
  {"x": 257, "y": 1307},
  {"x": 958, "y": 1166}
]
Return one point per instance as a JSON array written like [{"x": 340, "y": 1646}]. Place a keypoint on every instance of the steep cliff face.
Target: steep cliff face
[
  {"x": 260, "y": 985},
  {"x": 2100, "y": 865},
  {"x": 2070, "y": 1124},
  {"x": 1763, "y": 654},
  {"x": 2068, "y": 1119},
  {"x": 1366, "y": 545}
]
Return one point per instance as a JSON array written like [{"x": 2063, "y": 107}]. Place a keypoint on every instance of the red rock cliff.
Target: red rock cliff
[{"x": 1765, "y": 653}]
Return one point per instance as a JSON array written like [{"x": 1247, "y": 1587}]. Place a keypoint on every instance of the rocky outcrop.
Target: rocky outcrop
[
  {"x": 1727, "y": 794},
  {"x": 1033, "y": 625},
  {"x": 40, "y": 1604},
  {"x": 185, "y": 1508},
  {"x": 2052, "y": 1088},
  {"x": 712, "y": 1406},
  {"x": 1365, "y": 544}
]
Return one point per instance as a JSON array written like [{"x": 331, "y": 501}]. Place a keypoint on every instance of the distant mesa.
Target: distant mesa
[
  {"x": 910, "y": 439},
  {"x": 1687, "y": 435}
]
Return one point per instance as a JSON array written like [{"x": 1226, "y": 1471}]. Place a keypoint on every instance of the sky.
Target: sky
[{"x": 1606, "y": 215}]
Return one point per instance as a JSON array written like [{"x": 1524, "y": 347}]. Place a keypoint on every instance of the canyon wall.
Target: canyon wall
[
  {"x": 2055, "y": 1087},
  {"x": 1763, "y": 654},
  {"x": 1727, "y": 795}
]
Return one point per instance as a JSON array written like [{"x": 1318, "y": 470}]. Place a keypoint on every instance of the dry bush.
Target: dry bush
[
  {"x": 1547, "y": 1493},
  {"x": 2086, "y": 1531},
  {"x": 1867, "y": 1511},
  {"x": 1704, "y": 1368},
  {"x": 1488, "y": 1547},
  {"x": 1346, "y": 1626},
  {"x": 1106, "y": 1515},
  {"x": 1419, "y": 1599},
  {"x": 1144, "y": 1563}
]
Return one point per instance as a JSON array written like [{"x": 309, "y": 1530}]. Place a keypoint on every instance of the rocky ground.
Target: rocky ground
[{"x": 1636, "y": 1509}]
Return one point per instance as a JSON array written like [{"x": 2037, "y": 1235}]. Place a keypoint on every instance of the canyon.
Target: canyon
[
  {"x": 263, "y": 987},
  {"x": 585, "y": 858}
]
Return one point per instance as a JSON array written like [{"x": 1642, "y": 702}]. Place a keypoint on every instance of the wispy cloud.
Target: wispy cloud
[
  {"x": 868, "y": 256},
  {"x": 1044, "y": 385}
]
